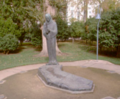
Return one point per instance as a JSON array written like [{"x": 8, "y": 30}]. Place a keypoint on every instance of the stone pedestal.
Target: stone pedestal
[{"x": 53, "y": 76}]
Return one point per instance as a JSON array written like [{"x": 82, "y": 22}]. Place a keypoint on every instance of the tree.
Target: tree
[
  {"x": 91, "y": 29},
  {"x": 109, "y": 29},
  {"x": 85, "y": 9},
  {"x": 7, "y": 26},
  {"x": 25, "y": 13},
  {"x": 15, "y": 10},
  {"x": 8, "y": 43},
  {"x": 108, "y": 5},
  {"x": 76, "y": 29},
  {"x": 82, "y": 6},
  {"x": 109, "y": 32},
  {"x": 36, "y": 36},
  {"x": 45, "y": 6},
  {"x": 8, "y": 35},
  {"x": 62, "y": 29}
]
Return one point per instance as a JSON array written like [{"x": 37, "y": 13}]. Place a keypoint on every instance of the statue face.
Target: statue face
[{"x": 48, "y": 17}]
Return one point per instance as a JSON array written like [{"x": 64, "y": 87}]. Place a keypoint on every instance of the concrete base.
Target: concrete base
[{"x": 52, "y": 75}]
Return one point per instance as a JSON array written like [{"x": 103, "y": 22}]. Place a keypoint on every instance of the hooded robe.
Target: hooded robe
[{"x": 50, "y": 32}]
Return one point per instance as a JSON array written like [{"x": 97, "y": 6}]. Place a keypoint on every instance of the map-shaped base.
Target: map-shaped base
[{"x": 53, "y": 76}]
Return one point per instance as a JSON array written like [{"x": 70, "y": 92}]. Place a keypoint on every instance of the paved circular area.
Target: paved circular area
[
  {"x": 84, "y": 63},
  {"x": 27, "y": 85},
  {"x": 23, "y": 82}
]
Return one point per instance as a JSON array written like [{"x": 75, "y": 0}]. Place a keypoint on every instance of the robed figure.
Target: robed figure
[{"x": 50, "y": 32}]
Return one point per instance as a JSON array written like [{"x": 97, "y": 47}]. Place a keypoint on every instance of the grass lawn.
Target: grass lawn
[{"x": 76, "y": 51}]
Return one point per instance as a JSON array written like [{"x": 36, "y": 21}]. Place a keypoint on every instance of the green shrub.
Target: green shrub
[
  {"x": 8, "y": 27},
  {"x": 8, "y": 35},
  {"x": 62, "y": 29},
  {"x": 8, "y": 43},
  {"x": 76, "y": 29},
  {"x": 110, "y": 29},
  {"x": 36, "y": 36},
  {"x": 91, "y": 29},
  {"x": 36, "y": 41}
]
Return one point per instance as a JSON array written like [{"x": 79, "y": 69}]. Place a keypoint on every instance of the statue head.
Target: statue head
[{"x": 48, "y": 17}]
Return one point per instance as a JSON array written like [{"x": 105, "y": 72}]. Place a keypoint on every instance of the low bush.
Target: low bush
[
  {"x": 8, "y": 43},
  {"x": 36, "y": 36},
  {"x": 76, "y": 29},
  {"x": 62, "y": 29},
  {"x": 8, "y": 27}
]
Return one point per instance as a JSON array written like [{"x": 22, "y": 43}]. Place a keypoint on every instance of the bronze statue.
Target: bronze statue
[{"x": 50, "y": 32}]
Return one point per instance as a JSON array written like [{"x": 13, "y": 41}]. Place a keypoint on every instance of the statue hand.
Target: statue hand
[
  {"x": 48, "y": 30},
  {"x": 48, "y": 36}
]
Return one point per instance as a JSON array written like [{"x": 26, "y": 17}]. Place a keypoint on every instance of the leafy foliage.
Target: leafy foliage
[
  {"x": 8, "y": 27},
  {"x": 62, "y": 28},
  {"x": 8, "y": 35},
  {"x": 36, "y": 36},
  {"x": 15, "y": 11},
  {"x": 91, "y": 29},
  {"x": 60, "y": 5},
  {"x": 8, "y": 43},
  {"x": 109, "y": 5},
  {"x": 109, "y": 31},
  {"x": 76, "y": 29}
]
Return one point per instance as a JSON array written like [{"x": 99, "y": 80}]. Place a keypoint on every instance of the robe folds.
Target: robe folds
[{"x": 50, "y": 31}]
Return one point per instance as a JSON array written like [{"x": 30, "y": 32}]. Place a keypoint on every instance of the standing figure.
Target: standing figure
[{"x": 50, "y": 32}]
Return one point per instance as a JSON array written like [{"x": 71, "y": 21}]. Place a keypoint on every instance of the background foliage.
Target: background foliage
[
  {"x": 15, "y": 20},
  {"x": 109, "y": 31},
  {"x": 8, "y": 35},
  {"x": 76, "y": 29},
  {"x": 36, "y": 36},
  {"x": 8, "y": 27},
  {"x": 8, "y": 43},
  {"x": 62, "y": 28}
]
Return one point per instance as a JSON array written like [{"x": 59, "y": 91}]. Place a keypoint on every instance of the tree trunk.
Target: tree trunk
[
  {"x": 4, "y": 52},
  {"x": 118, "y": 51},
  {"x": 44, "y": 51},
  {"x": 85, "y": 9},
  {"x": 44, "y": 47},
  {"x": 86, "y": 41},
  {"x": 21, "y": 42},
  {"x": 7, "y": 52},
  {"x": 73, "y": 39}
]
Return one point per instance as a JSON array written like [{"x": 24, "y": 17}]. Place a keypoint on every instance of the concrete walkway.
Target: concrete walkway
[{"x": 100, "y": 64}]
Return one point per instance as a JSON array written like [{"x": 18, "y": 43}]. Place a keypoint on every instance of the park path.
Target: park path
[{"x": 100, "y": 64}]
